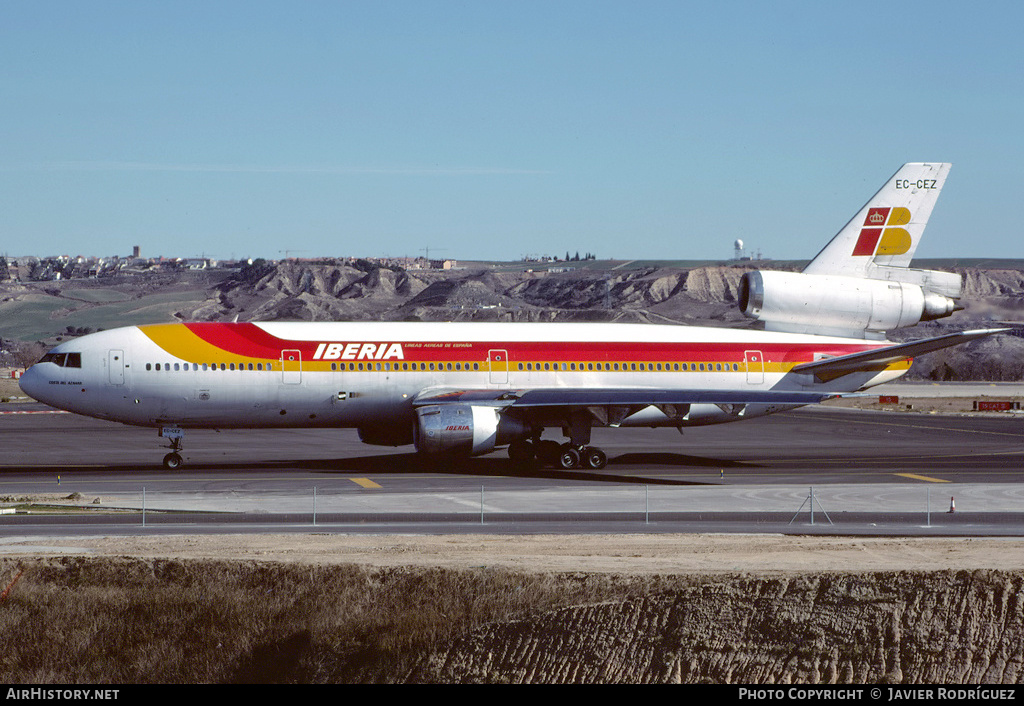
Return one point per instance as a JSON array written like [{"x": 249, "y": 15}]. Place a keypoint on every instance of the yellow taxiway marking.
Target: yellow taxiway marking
[
  {"x": 365, "y": 482},
  {"x": 917, "y": 477}
]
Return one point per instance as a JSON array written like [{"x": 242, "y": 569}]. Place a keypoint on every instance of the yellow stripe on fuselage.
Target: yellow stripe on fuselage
[{"x": 181, "y": 343}]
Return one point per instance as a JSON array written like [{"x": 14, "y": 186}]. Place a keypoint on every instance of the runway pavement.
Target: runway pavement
[{"x": 869, "y": 473}]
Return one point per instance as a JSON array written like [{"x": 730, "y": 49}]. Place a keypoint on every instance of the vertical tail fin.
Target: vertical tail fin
[
  {"x": 886, "y": 231},
  {"x": 860, "y": 284}
]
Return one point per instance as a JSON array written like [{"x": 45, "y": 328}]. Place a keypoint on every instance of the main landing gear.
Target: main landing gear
[
  {"x": 566, "y": 456},
  {"x": 575, "y": 453},
  {"x": 173, "y": 461}
]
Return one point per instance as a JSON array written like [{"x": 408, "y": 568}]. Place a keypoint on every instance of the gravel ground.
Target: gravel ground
[{"x": 640, "y": 554}]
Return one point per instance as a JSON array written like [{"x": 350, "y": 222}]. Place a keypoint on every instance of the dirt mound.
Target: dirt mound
[
  {"x": 533, "y": 608},
  {"x": 299, "y": 292},
  {"x": 941, "y": 627}
]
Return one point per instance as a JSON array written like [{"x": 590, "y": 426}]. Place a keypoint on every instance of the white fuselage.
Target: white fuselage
[{"x": 368, "y": 374}]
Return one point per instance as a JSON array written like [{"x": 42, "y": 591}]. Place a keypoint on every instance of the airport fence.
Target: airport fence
[{"x": 788, "y": 507}]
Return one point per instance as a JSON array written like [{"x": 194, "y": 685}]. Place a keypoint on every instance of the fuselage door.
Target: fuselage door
[
  {"x": 498, "y": 365},
  {"x": 291, "y": 367},
  {"x": 115, "y": 367},
  {"x": 755, "y": 367}
]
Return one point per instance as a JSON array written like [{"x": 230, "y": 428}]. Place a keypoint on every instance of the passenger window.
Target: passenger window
[{"x": 149, "y": 366}]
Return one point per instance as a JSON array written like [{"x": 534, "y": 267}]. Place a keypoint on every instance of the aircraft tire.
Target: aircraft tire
[
  {"x": 173, "y": 461},
  {"x": 569, "y": 458},
  {"x": 521, "y": 452},
  {"x": 595, "y": 457},
  {"x": 548, "y": 452}
]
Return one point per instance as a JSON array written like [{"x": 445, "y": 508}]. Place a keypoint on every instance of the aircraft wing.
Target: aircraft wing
[
  {"x": 633, "y": 396},
  {"x": 830, "y": 368}
]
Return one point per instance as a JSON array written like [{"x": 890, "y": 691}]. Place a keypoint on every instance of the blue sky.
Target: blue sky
[{"x": 494, "y": 130}]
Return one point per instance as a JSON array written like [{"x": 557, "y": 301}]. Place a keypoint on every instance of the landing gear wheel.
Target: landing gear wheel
[
  {"x": 595, "y": 457},
  {"x": 569, "y": 458},
  {"x": 547, "y": 452},
  {"x": 173, "y": 460},
  {"x": 521, "y": 452}
]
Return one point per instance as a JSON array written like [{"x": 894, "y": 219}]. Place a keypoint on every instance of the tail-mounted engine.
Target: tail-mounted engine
[
  {"x": 464, "y": 429},
  {"x": 846, "y": 306}
]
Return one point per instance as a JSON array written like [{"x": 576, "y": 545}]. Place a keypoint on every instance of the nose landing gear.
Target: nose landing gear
[{"x": 173, "y": 460}]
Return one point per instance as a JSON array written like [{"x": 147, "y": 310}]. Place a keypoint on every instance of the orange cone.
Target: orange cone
[{"x": 952, "y": 506}]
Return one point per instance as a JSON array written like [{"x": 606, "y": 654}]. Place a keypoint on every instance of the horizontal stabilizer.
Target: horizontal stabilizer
[{"x": 873, "y": 359}]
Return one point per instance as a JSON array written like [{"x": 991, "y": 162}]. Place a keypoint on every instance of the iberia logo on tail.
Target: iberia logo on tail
[{"x": 880, "y": 234}]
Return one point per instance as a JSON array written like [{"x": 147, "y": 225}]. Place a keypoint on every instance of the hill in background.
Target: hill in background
[{"x": 642, "y": 292}]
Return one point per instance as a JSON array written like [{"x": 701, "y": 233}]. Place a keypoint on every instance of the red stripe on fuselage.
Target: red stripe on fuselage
[{"x": 247, "y": 339}]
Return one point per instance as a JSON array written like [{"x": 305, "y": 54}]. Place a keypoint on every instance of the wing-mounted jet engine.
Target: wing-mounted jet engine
[{"x": 464, "y": 429}]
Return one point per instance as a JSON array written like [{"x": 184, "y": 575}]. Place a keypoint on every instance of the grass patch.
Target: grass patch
[{"x": 128, "y": 621}]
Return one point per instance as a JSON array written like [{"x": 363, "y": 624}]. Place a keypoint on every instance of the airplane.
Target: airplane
[{"x": 467, "y": 389}]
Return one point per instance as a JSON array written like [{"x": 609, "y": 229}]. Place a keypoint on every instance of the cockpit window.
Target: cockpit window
[{"x": 64, "y": 360}]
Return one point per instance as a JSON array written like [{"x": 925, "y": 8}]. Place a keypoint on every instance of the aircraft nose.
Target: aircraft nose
[{"x": 33, "y": 383}]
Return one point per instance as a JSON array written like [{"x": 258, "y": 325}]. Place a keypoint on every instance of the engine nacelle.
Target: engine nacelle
[
  {"x": 464, "y": 429},
  {"x": 801, "y": 303}
]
